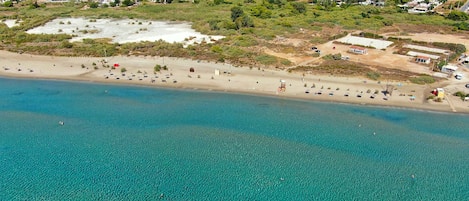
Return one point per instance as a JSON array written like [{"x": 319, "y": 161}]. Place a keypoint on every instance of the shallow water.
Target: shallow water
[{"x": 138, "y": 143}]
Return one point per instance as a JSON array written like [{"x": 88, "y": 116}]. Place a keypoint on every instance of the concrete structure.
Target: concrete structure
[
  {"x": 420, "y": 6},
  {"x": 357, "y": 50},
  {"x": 464, "y": 59},
  {"x": 416, "y": 54},
  {"x": 423, "y": 59},
  {"x": 427, "y": 49},
  {"x": 449, "y": 69}
]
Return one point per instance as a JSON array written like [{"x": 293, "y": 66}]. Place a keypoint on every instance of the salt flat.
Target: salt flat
[
  {"x": 11, "y": 23},
  {"x": 366, "y": 42},
  {"x": 124, "y": 30}
]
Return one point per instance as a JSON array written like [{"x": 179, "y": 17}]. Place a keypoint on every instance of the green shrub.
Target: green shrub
[
  {"x": 337, "y": 56},
  {"x": 461, "y": 94},
  {"x": 457, "y": 15},
  {"x": 245, "y": 41},
  {"x": 157, "y": 68},
  {"x": 93, "y": 5},
  {"x": 462, "y": 26},
  {"x": 216, "y": 49}
]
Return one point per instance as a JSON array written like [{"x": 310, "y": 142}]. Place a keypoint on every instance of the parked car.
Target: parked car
[
  {"x": 467, "y": 85},
  {"x": 314, "y": 48},
  {"x": 458, "y": 76}
]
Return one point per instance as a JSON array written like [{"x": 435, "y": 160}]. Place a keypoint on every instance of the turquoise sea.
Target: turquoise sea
[{"x": 142, "y": 143}]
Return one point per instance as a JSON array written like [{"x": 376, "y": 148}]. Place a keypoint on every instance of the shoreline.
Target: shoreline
[{"x": 242, "y": 80}]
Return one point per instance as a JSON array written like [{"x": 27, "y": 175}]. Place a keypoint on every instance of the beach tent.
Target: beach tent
[{"x": 440, "y": 93}]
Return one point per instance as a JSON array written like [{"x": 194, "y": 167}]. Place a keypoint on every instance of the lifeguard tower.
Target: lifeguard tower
[{"x": 283, "y": 85}]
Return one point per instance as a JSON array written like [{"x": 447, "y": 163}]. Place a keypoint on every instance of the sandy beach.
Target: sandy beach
[{"x": 140, "y": 71}]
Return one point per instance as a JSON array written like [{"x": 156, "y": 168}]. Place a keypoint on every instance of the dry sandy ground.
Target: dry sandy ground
[
  {"x": 385, "y": 58},
  {"x": 241, "y": 79}
]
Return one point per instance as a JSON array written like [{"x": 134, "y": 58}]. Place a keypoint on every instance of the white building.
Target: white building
[{"x": 449, "y": 69}]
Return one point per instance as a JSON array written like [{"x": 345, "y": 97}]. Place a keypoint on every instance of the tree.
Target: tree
[
  {"x": 462, "y": 26},
  {"x": 8, "y": 4},
  {"x": 127, "y": 3},
  {"x": 218, "y": 2},
  {"x": 261, "y": 12},
  {"x": 299, "y": 7},
  {"x": 93, "y": 4},
  {"x": 244, "y": 21},
  {"x": 236, "y": 12},
  {"x": 277, "y": 2},
  {"x": 34, "y": 5}
]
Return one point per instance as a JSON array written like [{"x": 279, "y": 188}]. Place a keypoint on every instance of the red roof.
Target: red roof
[
  {"x": 357, "y": 48},
  {"x": 423, "y": 57}
]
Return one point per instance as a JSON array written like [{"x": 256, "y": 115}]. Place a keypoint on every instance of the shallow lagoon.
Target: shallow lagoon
[{"x": 138, "y": 143}]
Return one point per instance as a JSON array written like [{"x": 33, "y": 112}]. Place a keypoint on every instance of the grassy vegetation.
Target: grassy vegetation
[
  {"x": 256, "y": 24},
  {"x": 422, "y": 79},
  {"x": 373, "y": 75}
]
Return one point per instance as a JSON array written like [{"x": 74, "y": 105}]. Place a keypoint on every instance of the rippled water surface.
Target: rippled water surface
[{"x": 138, "y": 143}]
